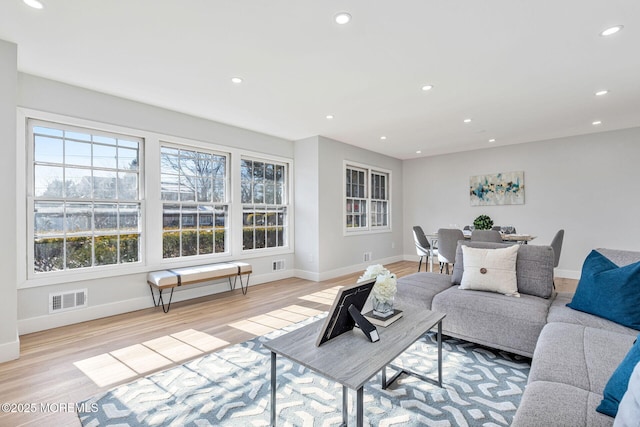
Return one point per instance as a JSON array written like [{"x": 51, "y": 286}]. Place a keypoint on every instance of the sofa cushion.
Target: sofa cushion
[
  {"x": 609, "y": 291},
  {"x": 552, "y": 404},
  {"x": 579, "y": 356},
  {"x": 629, "y": 408},
  {"x": 492, "y": 270},
  {"x": 619, "y": 381},
  {"x": 559, "y": 312},
  {"x": 498, "y": 321},
  {"x": 534, "y": 267},
  {"x": 418, "y": 289}
]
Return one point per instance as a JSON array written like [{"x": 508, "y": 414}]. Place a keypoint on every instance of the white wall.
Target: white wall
[
  {"x": 341, "y": 254},
  {"x": 307, "y": 209},
  {"x": 9, "y": 342},
  {"x": 587, "y": 185},
  {"x": 112, "y": 295}
]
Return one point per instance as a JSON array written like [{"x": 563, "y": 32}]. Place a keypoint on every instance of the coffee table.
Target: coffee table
[{"x": 350, "y": 359}]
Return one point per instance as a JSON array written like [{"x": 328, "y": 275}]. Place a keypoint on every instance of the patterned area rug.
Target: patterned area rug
[{"x": 482, "y": 387}]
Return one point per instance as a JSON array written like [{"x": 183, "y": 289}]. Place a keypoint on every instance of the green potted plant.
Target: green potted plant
[{"x": 483, "y": 222}]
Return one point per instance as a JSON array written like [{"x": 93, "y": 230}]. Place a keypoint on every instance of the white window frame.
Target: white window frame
[
  {"x": 27, "y": 276},
  {"x": 227, "y": 200},
  {"x": 369, "y": 171},
  {"x": 257, "y": 207}
]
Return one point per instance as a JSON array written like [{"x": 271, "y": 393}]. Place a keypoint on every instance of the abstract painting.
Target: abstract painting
[{"x": 505, "y": 188}]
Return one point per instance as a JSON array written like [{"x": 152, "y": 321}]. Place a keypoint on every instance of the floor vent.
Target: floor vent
[
  {"x": 67, "y": 300},
  {"x": 278, "y": 265}
]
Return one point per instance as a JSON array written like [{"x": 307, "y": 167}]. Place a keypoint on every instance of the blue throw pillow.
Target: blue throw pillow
[
  {"x": 609, "y": 291},
  {"x": 619, "y": 381}
]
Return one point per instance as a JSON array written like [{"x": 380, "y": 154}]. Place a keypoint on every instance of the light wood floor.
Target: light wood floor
[{"x": 66, "y": 365}]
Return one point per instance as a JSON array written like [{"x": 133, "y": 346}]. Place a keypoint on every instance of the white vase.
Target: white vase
[{"x": 382, "y": 308}]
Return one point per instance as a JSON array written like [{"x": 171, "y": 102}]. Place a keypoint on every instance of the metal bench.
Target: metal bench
[{"x": 176, "y": 277}]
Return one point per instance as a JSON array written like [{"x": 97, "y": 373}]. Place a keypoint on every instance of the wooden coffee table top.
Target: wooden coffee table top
[{"x": 351, "y": 359}]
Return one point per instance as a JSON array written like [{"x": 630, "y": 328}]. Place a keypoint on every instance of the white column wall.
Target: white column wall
[
  {"x": 9, "y": 341},
  {"x": 587, "y": 185}
]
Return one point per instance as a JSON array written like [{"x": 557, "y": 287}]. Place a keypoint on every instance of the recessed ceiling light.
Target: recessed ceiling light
[
  {"x": 329, "y": 116},
  {"x": 383, "y": 137},
  {"x": 427, "y": 87},
  {"x": 34, "y": 4},
  {"x": 611, "y": 30},
  {"x": 596, "y": 123},
  {"x": 467, "y": 120},
  {"x": 492, "y": 140},
  {"x": 342, "y": 18},
  {"x": 602, "y": 92},
  {"x": 419, "y": 152},
  {"x": 236, "y": 80}
]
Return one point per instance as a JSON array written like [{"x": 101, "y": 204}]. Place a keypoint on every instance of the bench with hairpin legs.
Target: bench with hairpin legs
[{"x": 177, "y": 277}]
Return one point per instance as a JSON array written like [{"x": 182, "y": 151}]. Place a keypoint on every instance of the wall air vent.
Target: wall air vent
[
  {"x": 64, "y": 301},
  {"x": 278, "y": 265}
]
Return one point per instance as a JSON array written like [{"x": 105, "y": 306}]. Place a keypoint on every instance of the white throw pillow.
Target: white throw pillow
[
  {"x": 492, "y": 270},
  {"x": 629, "y": 408}
]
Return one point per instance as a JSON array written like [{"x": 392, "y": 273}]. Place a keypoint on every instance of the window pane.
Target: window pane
[
  {"x": 104, "y": 139},
  {"x": 171, "y": 244},
  {"x": 77, "y": 153},
  {"x": 247, "y": 238},
  {"x": 189, "y": 217},
  {"x": 47, "y": 131},
  {"x": 104, "y": 184},
  {"x": 171, "y": 217},
  {"x": 272, "y": 238},
  {"x": 106, "y": 250},
  {"x": 77, "y": 135},
  {"x": 104, "y": 156},
  {"x": 189, "y": 243},
  {"x": 106, "y": 217},
  {"x": 78, "y": 183},
  {"x": 48, "y": 150},
  {"x": 127, "y": 186},
  {"x": 129, "y": 247},
  {"x": 48, "y": 181},
  {"x": 48, "y": 254},
  {"x": 49, "y": 218},
  {"x": 205, "y": 189},
  {"x": 169, "y": 162},
  {"x": 205, "y": 242},
  {"x": 129, "y": 216},
  {"x": 170, "y": 185},
  {"x": 78, "y": 218},
  {"x": 220, "y": 242},
  {"x": 187, "y": 189},
  {"x": 127, "y": 159},
  {"x": 78, "y": 252}
]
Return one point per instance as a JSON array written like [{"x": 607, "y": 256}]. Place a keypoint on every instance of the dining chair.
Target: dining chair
[
  {"x": 496, "y": 228},
  {"x": 423, "y": 247},
  {"x": 486, "y": 236},
  {"x": 556, "y": 244},
  {"x": 447, "y": 245}
]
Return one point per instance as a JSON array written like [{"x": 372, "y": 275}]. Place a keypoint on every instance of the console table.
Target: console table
[{"x": 350, "y": 359}]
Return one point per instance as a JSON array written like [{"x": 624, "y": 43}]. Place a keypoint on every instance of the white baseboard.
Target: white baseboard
[
  {"x": 10, "y": 350},
  {"x": 332, "y": 274},
  {"x": 50, "y": 321}
]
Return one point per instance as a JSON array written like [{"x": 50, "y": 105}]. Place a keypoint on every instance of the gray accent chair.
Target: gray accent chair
[
  {"x": 486, "y": 236},
  {"x": 423, "y": 247},
  {"x": 556, "y": 244},
  {"x": 447, "y": 243}
]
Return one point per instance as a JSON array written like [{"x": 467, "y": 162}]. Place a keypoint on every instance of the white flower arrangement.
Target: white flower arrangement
[{"x": 385, "y": 287}]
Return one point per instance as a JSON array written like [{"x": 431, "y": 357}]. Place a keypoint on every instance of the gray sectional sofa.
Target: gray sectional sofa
[{"x": 573, "y": 353}]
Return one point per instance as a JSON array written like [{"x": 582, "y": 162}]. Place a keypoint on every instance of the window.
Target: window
[
  {"x": 194, "y": 202},
  {"x": 264, "y": 204},
  {"x": 86, "y": 197},
  {"x": 367, "y": 198}
]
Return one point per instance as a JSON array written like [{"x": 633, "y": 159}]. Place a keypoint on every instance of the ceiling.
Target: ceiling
[{"x": 521, "y": 70}]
